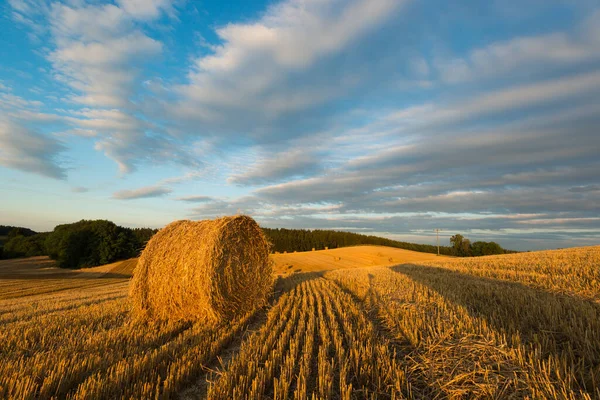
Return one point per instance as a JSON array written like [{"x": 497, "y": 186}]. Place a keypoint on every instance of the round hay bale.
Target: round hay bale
[{"x": 212, "y": 269}]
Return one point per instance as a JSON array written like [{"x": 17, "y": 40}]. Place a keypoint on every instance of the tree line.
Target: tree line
[
  {"x": 78, "y": 245},
  {"x": 305, "y": 240},
  {"x": 90, "y": 243},
  {"x": 462, "y": 247}
]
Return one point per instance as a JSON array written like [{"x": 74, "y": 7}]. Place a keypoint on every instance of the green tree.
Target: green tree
[
  {"x": 466, "y": 248},
  {"x": 304, "y": 240},
  {"x": 5, "y": 230},
  {"x": 456, "y": 242},
  {"x": 90, "y": 243},
  {"x": 461, "y": 246},
  {"x": 477, "y": 248},
  {"x": 24, "y": 246},
  {"x": 487, "y": 249}
]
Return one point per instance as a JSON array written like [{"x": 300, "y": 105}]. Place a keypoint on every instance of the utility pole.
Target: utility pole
[{"x": 437, "y": 235}]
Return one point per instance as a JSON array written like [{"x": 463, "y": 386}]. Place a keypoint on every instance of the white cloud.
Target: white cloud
[
  {"x": 520, "y": 97},
  {"x": 250, "y": 71},
  {"x": 22, "y": 145},
  {"x": 27, "y": 150},
  {"x": 97, "y": 53},
  {"x": 553, "y": 148},
  {"x": 110, "y": 53},
  {"x": 127, "y": 139},
  {"x": 419, "y": 67},
  {"x": 188, "y": 176},
  {"x": 295, "y": 33},
  {"x": 267, "y": 105},
  {"x": 517, "y": 97},
  {"x": 128, "y": 149},
  {"x": 98, "y": 50},
  {"x": 146, "y": 9},
  {"x": 218, "y": 207},
  {"x": 18, "y": 108},
  {"x": 197, "y": 199},
  {"x": 27, "y": 12},
  {"x": 272, "y": 168},
  {"x": 548, "y": 51},
  {"x": 142, "y": 193},
  {"x": 88, "y": 22},
  {"x": 106, "y": 120}
]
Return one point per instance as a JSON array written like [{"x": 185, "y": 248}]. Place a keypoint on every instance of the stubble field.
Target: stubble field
[{"x": 512, "y": 326}]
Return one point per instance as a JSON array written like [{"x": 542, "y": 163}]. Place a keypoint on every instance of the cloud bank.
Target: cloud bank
[{"x": 368, "y": 115}]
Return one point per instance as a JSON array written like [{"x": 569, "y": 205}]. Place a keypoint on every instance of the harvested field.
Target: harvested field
[
  {"x": 514, "y": 326},
  {"x": 347, "y": 257}
]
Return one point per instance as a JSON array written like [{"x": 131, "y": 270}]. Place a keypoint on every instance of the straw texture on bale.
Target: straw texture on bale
[{"x": 212, "y": 269}]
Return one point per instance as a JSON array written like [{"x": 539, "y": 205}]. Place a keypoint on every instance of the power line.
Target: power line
[{"x": 437, "y": 235}]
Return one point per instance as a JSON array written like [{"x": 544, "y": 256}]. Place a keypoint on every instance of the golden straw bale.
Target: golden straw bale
[{"x": 212, "y": 269}]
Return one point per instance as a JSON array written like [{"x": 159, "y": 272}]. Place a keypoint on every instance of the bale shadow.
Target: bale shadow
[
  {"x": 197, "y": 388},
  {"x": 285, "y": 284},
  {"x": 370, "y": 304},
  {"x": 561, "y": 325},
  {"x": 112, "y": 275}
]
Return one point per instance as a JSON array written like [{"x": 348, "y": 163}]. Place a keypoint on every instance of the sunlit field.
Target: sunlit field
[
  {"x": 347, "y": 257},
  {"x": 362, "y": 322}
]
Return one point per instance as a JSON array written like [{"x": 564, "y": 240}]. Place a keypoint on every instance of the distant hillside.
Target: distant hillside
[
  {"x": 16, "y": 230},
  {"x": 5, "y": 230},
  {"x": 30, "y": 243},
  {"x": 305, "y": 240},
  {"x": 347, "y": 258}
]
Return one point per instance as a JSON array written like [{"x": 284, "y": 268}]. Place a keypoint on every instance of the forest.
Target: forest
[
  {"x": 90, "y": 243},
  {"x": 305, "y": 240},
  {"x": 78, "y": 245}
]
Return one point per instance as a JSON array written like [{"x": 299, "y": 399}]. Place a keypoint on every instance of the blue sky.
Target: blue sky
[{"x": 385, "y": 117}]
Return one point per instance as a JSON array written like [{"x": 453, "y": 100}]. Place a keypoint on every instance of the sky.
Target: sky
[{"x": 383, "y": 117}]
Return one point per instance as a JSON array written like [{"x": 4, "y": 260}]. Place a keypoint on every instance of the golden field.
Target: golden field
[
  {"x": 345, "y": 323},
  {"x": 347, "y": 257}
]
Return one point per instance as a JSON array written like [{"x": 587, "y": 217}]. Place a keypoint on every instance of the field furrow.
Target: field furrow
[
  {"x": 570, "y": 271},
  {"x": 452, "y": 350},
  {"x": 455, "y": 328}
]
